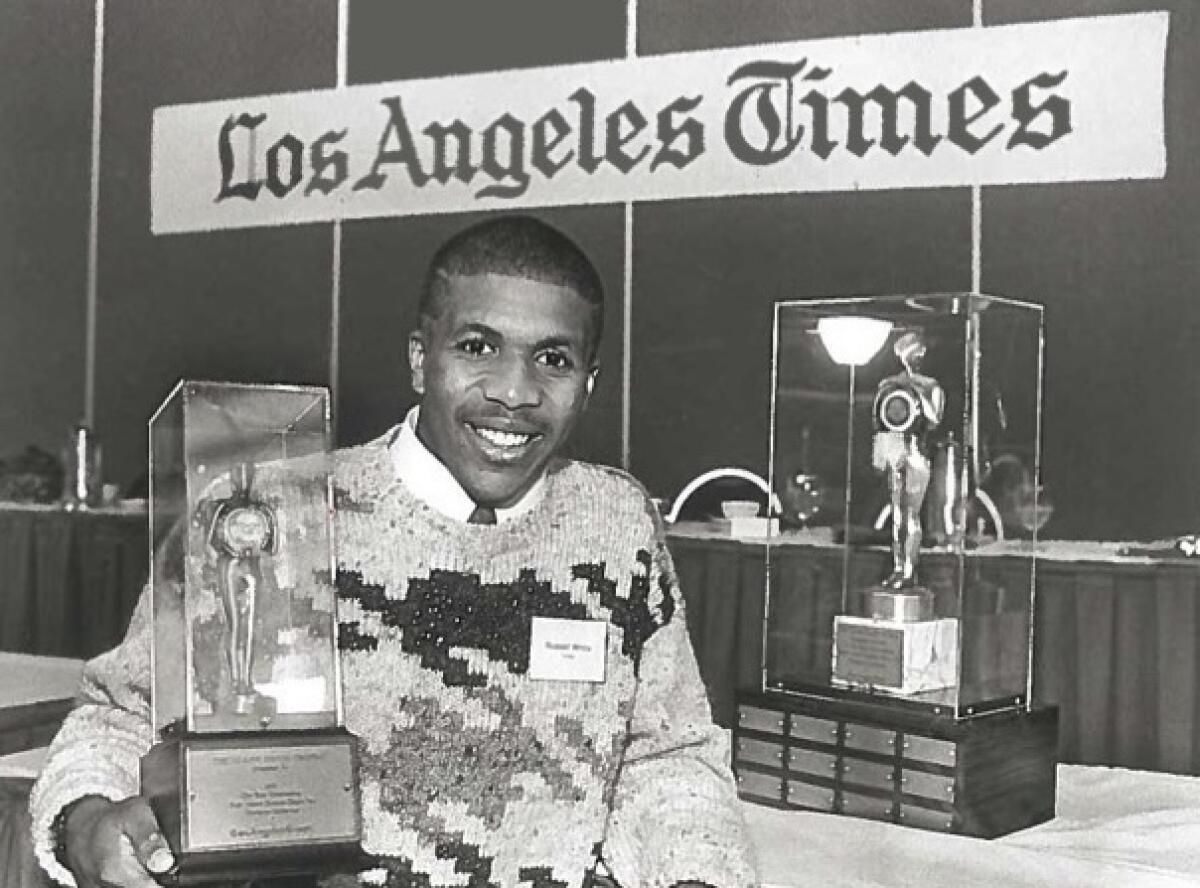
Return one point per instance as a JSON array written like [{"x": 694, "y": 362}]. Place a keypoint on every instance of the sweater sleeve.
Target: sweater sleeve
[
  {"x": 98, "y": 749},
  {"x": 676, "y": 817}
]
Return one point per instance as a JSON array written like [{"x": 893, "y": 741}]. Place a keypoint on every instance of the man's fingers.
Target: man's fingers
[
  {"x": 123, "y": 870},
  {"x": 160, "y": 860},
  {"x": 147, "y": 843}
]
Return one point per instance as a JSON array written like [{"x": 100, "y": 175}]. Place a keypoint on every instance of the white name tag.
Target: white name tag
[{"x": 567, "y": 650}]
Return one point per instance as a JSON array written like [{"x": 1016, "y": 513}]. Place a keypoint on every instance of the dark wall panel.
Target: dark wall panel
[
  {"x": 681, "y": 25},
  {"x": 45, "y": 148},
  {"x": 429, "y": 38},
  {"x": 706, "y": 277},
  {"x": 247, "y": 305},
  {"x": 383, "y": 265},
  {"x": 1116, "y": 266}
]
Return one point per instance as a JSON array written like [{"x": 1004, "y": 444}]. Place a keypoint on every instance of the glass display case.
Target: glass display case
[
  {"x": 244, "y": 605},
  {"x": 902, "y": 405},
  {"x": 253, "y": 773}
]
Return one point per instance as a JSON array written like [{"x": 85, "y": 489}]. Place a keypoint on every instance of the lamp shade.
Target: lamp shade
[{"x": 852, "y": 341}]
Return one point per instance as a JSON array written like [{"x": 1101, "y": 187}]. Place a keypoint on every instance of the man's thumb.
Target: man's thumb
[{"x": 149, "y": 845}]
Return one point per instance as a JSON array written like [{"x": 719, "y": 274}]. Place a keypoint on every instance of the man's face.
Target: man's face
[{"x": 504, "y": 375}]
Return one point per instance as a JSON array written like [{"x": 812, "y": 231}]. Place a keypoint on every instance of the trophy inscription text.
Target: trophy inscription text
[
  {"x": 870, "y": 654},
  {"x": 270, "y": 795}
]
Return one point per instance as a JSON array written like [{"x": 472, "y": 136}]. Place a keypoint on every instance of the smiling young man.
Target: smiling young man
[
  {"x": 504, "y": 358},
  {"x": 514, "y": 656}
]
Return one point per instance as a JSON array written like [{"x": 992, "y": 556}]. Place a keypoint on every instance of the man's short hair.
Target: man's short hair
[{"x": 517, "y": 246}]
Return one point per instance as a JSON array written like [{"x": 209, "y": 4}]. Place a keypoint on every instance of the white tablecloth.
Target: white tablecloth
[
  {"x": 1115, "y": 829},
  {"x": 25, "y": 679}
]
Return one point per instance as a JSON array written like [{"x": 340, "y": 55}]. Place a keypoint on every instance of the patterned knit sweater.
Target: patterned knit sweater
[{"x": 473, "y": 773}]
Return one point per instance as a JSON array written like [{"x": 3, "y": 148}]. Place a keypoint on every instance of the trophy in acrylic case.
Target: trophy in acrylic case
[
  {"x": 901, "y": 403},
  {"x": 896, "y": 657},
  {"x": 253, "y": 773}
]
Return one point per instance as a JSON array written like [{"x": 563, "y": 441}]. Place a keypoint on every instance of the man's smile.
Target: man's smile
[{"x": 502, "y": 444}]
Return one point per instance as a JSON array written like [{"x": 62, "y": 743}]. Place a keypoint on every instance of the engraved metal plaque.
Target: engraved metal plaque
[
  {"x": 819, "y": 730},
  {"x": 929, "y": 749},
  {"x": 928, "y": 785},
  {"x": 873, "y": 774},
  {"x": 871, "y": 739},
  {"x": 751, "y": 784},
  {"x": 809, "y": 761},
  {"x": 926, "y": 818},
  {"x": 755, "y": 719},
  {"x": 760, "y": 752},
  {"x": 872, "y": 655},
  {"x": 810, "y": 796},
  {"x": 870, "y": 807},
  {"x": 270, "y": 795}
]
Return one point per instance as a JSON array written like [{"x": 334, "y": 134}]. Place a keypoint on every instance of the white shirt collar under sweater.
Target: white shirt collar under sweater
[{"x": 431, "y": 482}]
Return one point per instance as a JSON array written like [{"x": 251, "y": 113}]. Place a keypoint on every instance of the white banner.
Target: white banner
[{"x": 1061, "y": 101}]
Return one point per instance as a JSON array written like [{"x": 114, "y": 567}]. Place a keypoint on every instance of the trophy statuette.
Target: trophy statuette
[
  {"x": 908, "y": 406},
  {"x": 242, "y": 530},
  {"x": 899, "y": 644}
]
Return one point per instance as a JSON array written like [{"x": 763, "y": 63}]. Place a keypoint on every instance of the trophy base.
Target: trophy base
[
  {"x": 243, "y": 806},
  {"x": 904, "y": 657},
  {"x": 251, "y": 867},
  {"x": 983, "y": 776},
  {"x": 907, "y": 604},
  {"x": 252, "y": 703}
]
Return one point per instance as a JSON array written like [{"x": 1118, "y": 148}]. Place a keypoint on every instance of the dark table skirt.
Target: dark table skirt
[
  {"x": 68, "y": 580},
  {"x": 1116, "y": 647}
]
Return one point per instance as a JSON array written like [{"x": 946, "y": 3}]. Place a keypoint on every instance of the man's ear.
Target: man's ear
[
  {"x": 589, "y": 384},
  {"x": 416, "y": 360}
]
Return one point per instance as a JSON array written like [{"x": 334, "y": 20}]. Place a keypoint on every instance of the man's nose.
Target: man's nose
[{"x": 513, "y": 383}]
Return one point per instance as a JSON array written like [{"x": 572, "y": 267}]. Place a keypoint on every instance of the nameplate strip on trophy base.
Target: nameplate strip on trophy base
[
  {"x": 900, "y": 656},
  {"x": 869, "y": 654},
  {"x": 268, "y": 795}
]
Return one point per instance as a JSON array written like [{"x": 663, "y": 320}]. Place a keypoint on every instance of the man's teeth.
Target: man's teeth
[{"x": 502, "y": 439}]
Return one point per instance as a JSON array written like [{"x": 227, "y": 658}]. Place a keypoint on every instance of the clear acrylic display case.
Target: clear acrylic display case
[
  {"x": 917, "y": 406},
  {"x": 241, "y": 570}
]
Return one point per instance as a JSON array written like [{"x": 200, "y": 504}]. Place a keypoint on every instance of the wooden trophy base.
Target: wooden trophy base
[
  {"x": 981, "y": 776},
  {"x": 243, "y": 806}
]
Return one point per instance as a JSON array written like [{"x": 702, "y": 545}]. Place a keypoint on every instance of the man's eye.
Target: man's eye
[
  {"x": 555, "y": 360},
  {"x": 475, "y": 347}
]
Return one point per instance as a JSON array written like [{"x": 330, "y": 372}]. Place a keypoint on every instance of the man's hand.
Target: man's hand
[{"x": 115, "y": 844}]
